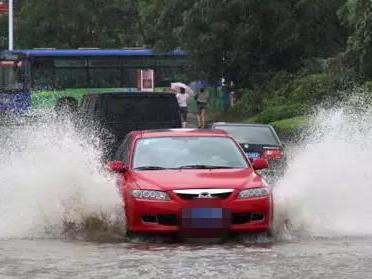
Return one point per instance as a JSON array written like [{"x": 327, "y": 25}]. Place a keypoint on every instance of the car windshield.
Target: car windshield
[
  {"x": 187, "y": 153},
  {"x": 250, "y": 134}
]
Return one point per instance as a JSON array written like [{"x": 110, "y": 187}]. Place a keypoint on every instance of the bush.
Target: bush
[{"x": 275, "y": 113}]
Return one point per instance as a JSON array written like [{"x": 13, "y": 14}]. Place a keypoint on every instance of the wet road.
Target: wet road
[
  {"x": 316, "y": 258},
  {"x": 45, "y": 179}
]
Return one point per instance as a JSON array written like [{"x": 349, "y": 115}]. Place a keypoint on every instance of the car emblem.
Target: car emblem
[{"x": 205, "y": 195}]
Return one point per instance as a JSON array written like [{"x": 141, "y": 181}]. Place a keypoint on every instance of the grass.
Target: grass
[{"x": 290, "y": 124}]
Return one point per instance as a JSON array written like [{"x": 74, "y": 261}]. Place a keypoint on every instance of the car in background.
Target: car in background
[
  {"x": 257, "y": 140},
  {"x": 193, "y": 182},
  {"x": 117, "y": 114}
]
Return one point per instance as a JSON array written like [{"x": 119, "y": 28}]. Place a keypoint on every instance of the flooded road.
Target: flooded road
[
  {"x": 52, "y": 185},
  {"x": 316, "y": 258}
]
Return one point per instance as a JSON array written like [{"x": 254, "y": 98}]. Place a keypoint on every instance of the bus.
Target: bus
[{"x": 37, "y": 78}]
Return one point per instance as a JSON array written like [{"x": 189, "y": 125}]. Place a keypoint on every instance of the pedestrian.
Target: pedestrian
[
  {"x": 226, "y": 98},
  {"x": 182, "y": 98},
  {"x": 201, "y": 102}
]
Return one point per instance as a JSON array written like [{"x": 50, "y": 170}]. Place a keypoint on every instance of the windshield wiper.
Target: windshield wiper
[
  {"x": 150, "y": 168},
  {"x": 204, "y": 167}
]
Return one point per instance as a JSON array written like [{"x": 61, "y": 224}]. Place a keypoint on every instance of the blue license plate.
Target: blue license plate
[
  {"x": 253, "y": 155},
  {"x": 205, "y": 218},
  {"x": 206, "y": 213}
]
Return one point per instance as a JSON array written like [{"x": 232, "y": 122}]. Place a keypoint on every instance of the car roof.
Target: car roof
[
  {"x": 180, "y": 133},
  {"x": 130, "y": 94},
  {"x": 240, "y": 124}
]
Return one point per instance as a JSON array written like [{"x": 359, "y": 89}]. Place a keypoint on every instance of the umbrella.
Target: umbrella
[
  {"x": 178, "y": 85},
  {"x": 197, "y": 85}
]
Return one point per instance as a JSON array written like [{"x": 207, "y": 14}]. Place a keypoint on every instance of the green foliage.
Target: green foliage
[
  {"x": 357, "y": 16},
  {"x": 245, "y": 40},
  {"x": 292, "y": 54},
  {"x": 74, "y": 24},
  {"x": 290, "y": 124},
  {"x": 279, "y": 112}
]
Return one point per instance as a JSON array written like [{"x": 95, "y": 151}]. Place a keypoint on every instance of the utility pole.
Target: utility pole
[{"x": 10, "y": 24}]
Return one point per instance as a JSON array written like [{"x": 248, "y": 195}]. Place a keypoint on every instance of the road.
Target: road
[{"x": 50, "y": 178}]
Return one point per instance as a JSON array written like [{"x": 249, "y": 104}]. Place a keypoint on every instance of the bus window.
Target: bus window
[
  {"x": 71, "y": 78},
  {"x": 11, "y": 75},
  {"x": 105, "y": 77},
  {"x": 71, "y": 73},
  {"x": 130, "y": 78},
  {"x": 42, "y": 73}
]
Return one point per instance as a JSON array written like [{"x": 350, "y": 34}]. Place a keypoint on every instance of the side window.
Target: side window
[{"x": 123, "y": 151}]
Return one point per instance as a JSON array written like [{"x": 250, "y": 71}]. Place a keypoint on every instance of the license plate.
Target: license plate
[
  {"x": 205, "y": 218},
  {"x": 253, "y": 155},
  {"x": 206, "y": 213}
]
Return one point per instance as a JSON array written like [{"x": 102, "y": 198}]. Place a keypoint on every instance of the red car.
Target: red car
[{"x": 192, "y": 182}]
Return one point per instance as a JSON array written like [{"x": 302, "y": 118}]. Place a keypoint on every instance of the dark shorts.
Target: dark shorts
[
  {"x": 183, "y": 111},
  {"x": 201, "y": 106}
]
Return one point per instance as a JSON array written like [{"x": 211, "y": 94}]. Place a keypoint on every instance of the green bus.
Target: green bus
[{"x": 37, "y": 78}]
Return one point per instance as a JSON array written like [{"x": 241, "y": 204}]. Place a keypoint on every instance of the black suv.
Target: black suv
[{"x": 121, "y": 113}]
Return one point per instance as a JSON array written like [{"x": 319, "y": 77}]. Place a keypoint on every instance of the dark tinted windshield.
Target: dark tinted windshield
[
  {"x": 250, "y": 134},
  {"x": 178, "y": 152},
  {"x": 142, "y": 109}
]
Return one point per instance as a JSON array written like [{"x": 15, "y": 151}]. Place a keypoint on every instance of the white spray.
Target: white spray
[
  {"x": 327, "y": 190},
  {"x": 51, "y": 175}
]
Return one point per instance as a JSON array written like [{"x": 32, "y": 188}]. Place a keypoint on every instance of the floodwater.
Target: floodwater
[
  {"x": 311, "y": 258},
  {"x": 61, "y": 215}
]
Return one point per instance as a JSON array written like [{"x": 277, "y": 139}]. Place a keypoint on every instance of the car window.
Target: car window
[
  {"x": 176, "y": 152},
  {"x": 122, "y": 153},
  {"x": 250, "y": 134}
]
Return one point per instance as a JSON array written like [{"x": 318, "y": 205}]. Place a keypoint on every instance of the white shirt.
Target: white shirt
[{"x": 182, "y": 99}]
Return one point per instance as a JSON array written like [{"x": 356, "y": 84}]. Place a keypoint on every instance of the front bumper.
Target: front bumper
[{"x": 243, "y": 215}]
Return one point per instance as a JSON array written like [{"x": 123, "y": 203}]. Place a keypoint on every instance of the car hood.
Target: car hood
[{"x": 193, "y": 179}]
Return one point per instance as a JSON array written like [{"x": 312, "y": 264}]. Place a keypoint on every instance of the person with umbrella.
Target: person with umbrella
[{"x": 184, "y": 93}]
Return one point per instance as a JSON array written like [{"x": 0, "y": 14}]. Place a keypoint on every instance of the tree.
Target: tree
[
  {"x": 73, "y": 24},
  {"x": 357, "y": 16},
  {"x": 246, "y": 40}
]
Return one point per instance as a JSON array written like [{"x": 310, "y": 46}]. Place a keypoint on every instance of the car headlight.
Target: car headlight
[
  {"x": 150, "y": 195},
  {"x": 253, "y": 193}
]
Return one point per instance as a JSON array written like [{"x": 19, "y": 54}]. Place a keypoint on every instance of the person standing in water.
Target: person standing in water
[
  {"x": 182, "y": 98},
  {"x": 201, "y": 102}
]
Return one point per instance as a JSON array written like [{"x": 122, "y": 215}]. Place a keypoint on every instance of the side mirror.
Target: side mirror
[
  {"x": 116, "y": 166},
  {"x": 260, "y": 163}
]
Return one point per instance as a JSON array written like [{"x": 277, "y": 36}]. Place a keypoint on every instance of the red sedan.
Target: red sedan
[{"x": 193, "y": 182}]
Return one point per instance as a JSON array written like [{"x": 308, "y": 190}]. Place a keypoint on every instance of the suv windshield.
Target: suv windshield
[
  {"x": 188, "y": 153},
  {"x": 142, "y": 108},
  {"x": 250, "y": 134}
]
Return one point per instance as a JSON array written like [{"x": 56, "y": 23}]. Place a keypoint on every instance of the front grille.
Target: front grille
[
  {"x": 196, "y": 196},
  {"x": 242, "y": 218},
  {"x": 192, "y": 194}
]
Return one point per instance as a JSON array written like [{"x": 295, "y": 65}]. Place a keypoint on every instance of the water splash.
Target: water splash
[
  {"x": 327, "y": 190},
  {"x": 51, "y": 181}
]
